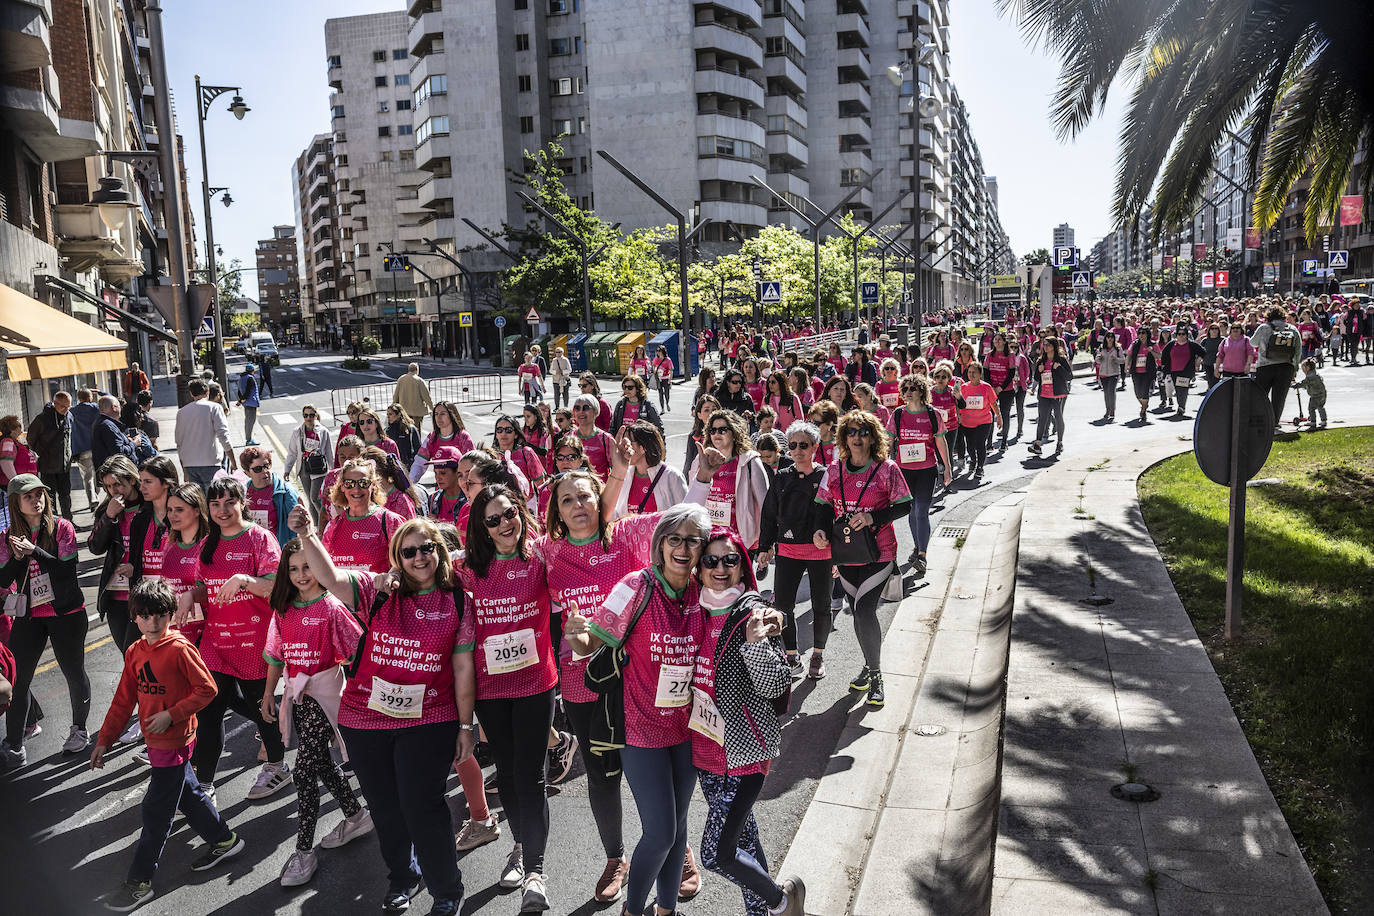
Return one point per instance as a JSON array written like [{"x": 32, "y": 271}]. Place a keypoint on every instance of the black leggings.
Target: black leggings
[
  {"x": 1020, "y": 411},
  {"x": 785, "y": 598},
  {"x": 976, "y": 438},
  {"x": 245, "y": 698},
  {"x": 665, "y": 393},
  {"x": 28, "y": 639},
  {"x": 1051, "y": 412},
  {"x": 313, "y": 766},
  {"x": 517, "y": 730},
  {"x": 603, "y": 791},
  {"x": 122, "y": 629},
  {"x": 864, "y": 585},
  {"x": 1005, "y": 400}
]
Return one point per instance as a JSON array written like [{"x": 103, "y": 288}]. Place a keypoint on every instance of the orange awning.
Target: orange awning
[{"x": 41, "y": 342}]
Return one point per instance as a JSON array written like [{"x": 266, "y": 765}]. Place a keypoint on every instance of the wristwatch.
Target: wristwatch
[{"x": 467, "y": 728}]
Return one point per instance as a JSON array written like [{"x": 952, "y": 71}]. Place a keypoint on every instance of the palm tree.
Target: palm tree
[{"x": 1294, "y": 72}]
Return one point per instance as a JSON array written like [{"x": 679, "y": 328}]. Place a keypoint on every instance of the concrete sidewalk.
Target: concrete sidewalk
[{"x": 1124, "y": 693}]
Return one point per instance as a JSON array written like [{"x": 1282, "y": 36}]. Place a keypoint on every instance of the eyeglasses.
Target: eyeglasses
[
  {"x": 504, "y": 429},
  {"x": 310, "y": 415},
  {"x": 734, "y": 381},
  {"x": 677, "y": 540},
  {"x": 258, "y": 468},
  {"x": 583, "y": 407},
  {"x": 567, "y": 456},
  {"x": 495, "y": 519},
  {"x": 799, "y": 446},
  {"x": 721, "y": 430},
  {"x": 730, "y": 560},
  {"x": 427, "y": 548},
  {"x": 356, "y": 484},
  {"x": 857, "y": 431}
]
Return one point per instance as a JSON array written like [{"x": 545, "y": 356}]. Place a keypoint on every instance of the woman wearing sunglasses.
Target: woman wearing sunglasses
[
  {"x": 373, "y": 432},
  {"x": 588, "y": 384},
  {"x": 448, "y": 431},
  {"x": 789, "y": 520},
  {"x": 358, "y": 537},
  {"x": 508, "y": 636},
  {"x": 865, "y": 489},
  {"x": 270, "y": 498},
  {"x": 668, "y": 625},
  {"x": 597, "y": 444},
  {"x": 406, "y": 714},
  {"x": 732, "y": 396},
  {"x": 916, "y": 433},
  {"x": 701, "y": 413},
  {"x": 399, "y": 495},
  {"x": 238, "y": 561},
  {"x": 510, "y": 440},
  {"x": 785, "y": 402},
  {"x": 824, "y": 415},
  {"x": 653, "y": 485},
  {"x": 309, "y": 456},
  {"x": 401, "y": 429},
  {"x": 728, "y": 477},
  {"x": 735, "y": 733},
  {"x": 635, "y": 405}
]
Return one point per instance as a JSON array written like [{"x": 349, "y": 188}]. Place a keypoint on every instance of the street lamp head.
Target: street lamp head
[
  {"x": 895, "y": 73},
  {"x": 112, "y": 201},
  {"x": 227, "y": 199},
  {"x": 237, "y": 107}
]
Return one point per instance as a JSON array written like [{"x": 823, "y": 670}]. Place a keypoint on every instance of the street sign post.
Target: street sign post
[
  {"x": 868, "y": 293},
  {"x": 1065, "y": 256},
  {"x": 499, "y": 321},
  {"x": 465, "y": 319},
  {"x": 532, "y": 316},
  {"x": 1338, "y": 260},
  {"x": 770, "y": 292}
]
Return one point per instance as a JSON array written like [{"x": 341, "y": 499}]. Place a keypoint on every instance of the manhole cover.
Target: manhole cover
[
  {"x": 948, "y": 532},
  {"x": 1135, "y": 792},
  {"x": 1098, "y": 600},
  {"x": 929, "y": 731}
]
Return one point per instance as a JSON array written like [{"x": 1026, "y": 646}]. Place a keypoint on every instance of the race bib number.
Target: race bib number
[
  {"x": 974, "y": 402},
  {"x": 260, "y": 517},
  {"x": 1047, "y": 378},
  {"x": 1141, "y": 360},
  {"x": 674, "y": 686},
  {"x": 40, "y": 589},
  {"x": 719, "y": 510},
  {"x": 706, "y": 719},
  {"x": 509, "y": 652},
  {"x": 117, "y": 583},
  {"x": 890, "y": 399},
  {"x": 912, "y": 452},
  {"x": 400, "y": 701},
  {"x": 943, "y": 413}
]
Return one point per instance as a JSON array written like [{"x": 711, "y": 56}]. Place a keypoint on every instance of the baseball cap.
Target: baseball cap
[
  {"x": 23, "y": 483},
  {"x": 446, "y": 454}
]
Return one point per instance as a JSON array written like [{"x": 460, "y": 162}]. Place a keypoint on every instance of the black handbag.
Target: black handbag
[
  {"x": 605, "y": 676},
  {"x": 850, "y": 546}
]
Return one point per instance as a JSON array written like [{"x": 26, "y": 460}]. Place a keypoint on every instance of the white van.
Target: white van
[{"x": 263, "y": 346}]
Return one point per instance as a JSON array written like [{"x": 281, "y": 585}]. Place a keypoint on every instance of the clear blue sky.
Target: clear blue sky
[{"x": 275, "y": 51}]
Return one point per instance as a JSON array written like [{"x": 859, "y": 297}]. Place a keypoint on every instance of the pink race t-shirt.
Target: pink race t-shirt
[
  {"x": 999, "y": 367},
  {"x": 405, "y": 670},
  {"x": 641, "y": 499},
  {"x": 720, "y": 500},
  {"x": 154, "y": 541},
  {"x": 118, "y": 586},
  {"x": 979, "y": 399},
  {"x": 845, "y": 492},
  {"x": 507, "y": 628},
  {"x": 945, "y": 406},
  {"x": 178, "y": 569},
  {"x": 262, "y": 508},
  {"x": 706, "y": 753},
  {"x": 915, "y": 438},
  {"x": 446, "y": 507},
  {"x": 312, "y": 636},
  {"x": 597, "y": 448},
  {"x": 39, "y": 583},
  {"x": 529, "y": 376},
  {"x": 583, "y": 574},
  {"x": 360, "y": 544},
  {"x": 662, "y": 650},
  {"x": 236, "y": 631},
  {"x": 888, "y": 394},
  {"x": 755, "y": 392},
  {"x": 400, "y": 503},
  {"x": 459, "y": 440}
]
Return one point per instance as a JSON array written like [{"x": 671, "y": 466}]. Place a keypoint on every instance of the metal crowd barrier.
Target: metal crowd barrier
[{"x": 463, "y": 390}]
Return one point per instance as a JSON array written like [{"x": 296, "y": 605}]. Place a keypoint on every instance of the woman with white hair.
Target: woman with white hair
[{"x": 597, "y": 444}]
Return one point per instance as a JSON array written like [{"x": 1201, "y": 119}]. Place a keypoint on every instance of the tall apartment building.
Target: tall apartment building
[
  {"x": 279, "y": 288},
  {"x": 1063, "y": 235},
  {"x": 75, "y": 78},
  {"x": 376, "y": 183},
  {"x": 700, "y": 100},
  {"x": 324, "y": 285}
]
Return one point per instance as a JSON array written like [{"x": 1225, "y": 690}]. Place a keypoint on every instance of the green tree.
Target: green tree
[
  {"x": 1296, "y": 72},
  {"x": 723, "y": 285},
  {"x": 634, "y": 281},
  {"x": 1038, "y": 256},
  {"x": 230, "y": 282}
]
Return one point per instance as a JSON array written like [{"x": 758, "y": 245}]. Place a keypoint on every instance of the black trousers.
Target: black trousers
[
  {"x": 517, "y": 731},
  {"x": 785, "y": 588},
  {"x": 245, "y": 698},
  {"x": 1273, "y": 381},
  {"x": 603, "y": 791},
  {"x": 28, "y": 639},
  {"x": 60, "y": 482}
]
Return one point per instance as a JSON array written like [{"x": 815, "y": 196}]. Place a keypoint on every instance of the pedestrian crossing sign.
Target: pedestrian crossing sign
[
  {"x": 1082, "y": 279},
  {"x": 465, "y": 319},
  {"x": 770, "y": 291},
  {"x": 1338, "y": 260}
]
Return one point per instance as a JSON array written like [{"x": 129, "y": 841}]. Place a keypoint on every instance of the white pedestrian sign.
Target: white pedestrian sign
[
  {"x": 1338, "y": 260},
  {"x": 1082, "y": 279},
  {"x": 770, "y": 291}
]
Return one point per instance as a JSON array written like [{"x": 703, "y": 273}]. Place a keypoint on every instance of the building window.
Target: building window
[
  {"x": 386, "y": 154},
  {"x": 430, "y": 127},
  {"x": 560, "y": 47},
  {"x": 401, "y": 79},
  {"x": 338, "y": 112},
  {"x": 335, "y": 60},
  {"x": 580, "y": 86},
  {"x": 524, "y": 83},
  {"x": 562, "y": 126},
  {"x": 522, "y": 4},
  {"x": 560, "y": 86},
  {"x": 383, "y": 106},
  {"x": 403, "y": 104},
  {"x": 384, "y": 130},
  {"x": 433, "y": 85},
  {"x": 379, "y": 57},
  {"x": 404, "y": 130},
  {"x": 522, "y": 41},
  {"x": 582, "y": 125},
  {"x": 527, "y": 124},
  {"x": 407, "y": 155},
  {"x": 582, "y": 164},
  {"x": 577, "y": 44},
  {"x": 399, "y": 54},
  {"x": 379, "y": 81}
]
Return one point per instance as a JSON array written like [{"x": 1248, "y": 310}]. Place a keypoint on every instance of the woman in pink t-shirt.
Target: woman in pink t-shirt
[
  {"x": 188, "y": 521},
  {"x": 372, "y": 431},
  {"x": 358, "y": 536},
  {"x": 448, "y": 430},
  {"x": 728, "y": 477},
  {"x": 976, "y": 416},
  {"x": 785, "y": 402}
]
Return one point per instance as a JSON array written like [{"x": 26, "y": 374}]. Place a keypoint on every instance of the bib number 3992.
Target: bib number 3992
[
  {"x": 400, "y": 701},
  {"x": 507, "y": 652},
  {"x": 674, "y": 686}
]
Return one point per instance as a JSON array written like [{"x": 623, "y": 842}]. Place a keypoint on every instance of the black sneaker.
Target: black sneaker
[
  {"x": 449, "y": 906},
  {"x": 216, "y": 853},
  {"x": 876, "y": 697},
  {"x": 920, "y": 565},
  {"x": 861, "y": 681},
  {"x": 130, "y": 896},
  {"x": 397, "y": 899}
]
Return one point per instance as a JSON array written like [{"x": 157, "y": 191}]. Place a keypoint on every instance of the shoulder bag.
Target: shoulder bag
[{"x": 850, "y": 546}]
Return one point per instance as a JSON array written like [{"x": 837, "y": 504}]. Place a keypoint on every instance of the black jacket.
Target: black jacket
[
  {"x": 50, "y": 439},
  {"x": 647, "y": 411},
  {"x": 66, "y": 591},
  {"x": 104, "y": 539},
  {"x": 867, "y": 371},
  {"x": 1063, "y": 374},
  {"x": 791, "y": 514},
  {"x": 407, "y": 442},
  {"x": 739, "y": 402}
]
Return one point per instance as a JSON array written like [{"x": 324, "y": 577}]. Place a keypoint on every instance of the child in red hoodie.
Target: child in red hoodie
[{"x": 165, "y": 677}]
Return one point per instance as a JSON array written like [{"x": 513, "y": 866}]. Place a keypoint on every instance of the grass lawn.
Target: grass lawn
[{"x": 1300, "y": 676}]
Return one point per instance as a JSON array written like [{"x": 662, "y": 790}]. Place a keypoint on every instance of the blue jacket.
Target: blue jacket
[
  {"x": 84, "y": 415},
  {"x": 284, "y": 497},
  {"x": 248, "y": 390},
  {"x": 109, "y": 438}
]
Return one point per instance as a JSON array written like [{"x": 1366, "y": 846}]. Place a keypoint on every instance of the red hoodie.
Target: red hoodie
[{"x": 166, "y": 675}]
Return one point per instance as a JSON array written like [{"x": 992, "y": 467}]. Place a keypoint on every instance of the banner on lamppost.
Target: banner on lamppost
[
  {"x": 1252, "y": 238},
  {"x": 1168, "y": 261},
  {"x": 1005, "y": 288},
  {"x": 1199, "y": 251},
  {"x": 1233, "y": 238},
  {"x": 1207, "y": 279},
  {"x": 1352, "y": 210},
  {"x": 1157, "y": 262},
  {"x": 1185, "y": 251}
]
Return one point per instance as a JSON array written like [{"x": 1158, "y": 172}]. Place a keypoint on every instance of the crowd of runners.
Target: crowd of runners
[{"x": 567, "y": 589}]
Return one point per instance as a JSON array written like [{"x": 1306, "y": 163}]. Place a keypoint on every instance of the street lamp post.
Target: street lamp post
[
  {"x": 205, "y": 95},
  {"x": 581, "y": 244},
  {"x": 854, "y": 238},
  {"x": 884, "y": 244}
]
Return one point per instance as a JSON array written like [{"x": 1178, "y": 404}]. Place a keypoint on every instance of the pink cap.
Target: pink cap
[{"x": 445, "y": 454}]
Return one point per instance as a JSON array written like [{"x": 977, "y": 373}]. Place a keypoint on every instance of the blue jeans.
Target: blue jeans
[
  {"x": 662, "y": 780},
  {"x": 201, "y": 476},
  {"x": 403, "y": 773},
  {"x": 171, "y": 788}
]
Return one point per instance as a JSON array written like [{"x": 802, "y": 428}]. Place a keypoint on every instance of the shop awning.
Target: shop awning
[
  {"x": 119, "y": 313},
  {"x": 41, "y": 342}
]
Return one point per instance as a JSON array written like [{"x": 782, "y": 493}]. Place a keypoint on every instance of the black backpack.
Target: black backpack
[{"x": 1283, "y": 343}]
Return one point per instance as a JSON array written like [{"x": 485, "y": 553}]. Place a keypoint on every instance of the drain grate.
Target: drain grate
[{"x": 948, "y": 532}]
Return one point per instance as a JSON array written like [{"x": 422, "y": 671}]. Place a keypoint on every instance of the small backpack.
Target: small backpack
[{"x": 1283, "y": 343}]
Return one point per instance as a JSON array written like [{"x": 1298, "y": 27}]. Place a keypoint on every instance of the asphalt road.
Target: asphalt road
[{"x": 67, "y": 834}]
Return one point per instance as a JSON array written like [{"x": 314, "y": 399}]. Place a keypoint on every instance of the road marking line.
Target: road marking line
[{"x": 276, "y": 443}]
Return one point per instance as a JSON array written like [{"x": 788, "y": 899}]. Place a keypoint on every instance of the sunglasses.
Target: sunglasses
[
  {"x": 494, "y": 519},
  {"x": 504, "y": 429},
  {"x": 730, "y": 560},
  {"x": 583, "y": 407},
  {"x": 857, "y": 431},
  {"x": 258, "y": 468},
  {"x": 356, "y": 484},
  {"x": 310, "y": 415},
  {"x": 427, "y": 548},
  {"x": 798, "y": 446},
  {"x": 677, "y": 540},
  {"x": 567, "y": 456},
  {"x": 721, "y": 430}
]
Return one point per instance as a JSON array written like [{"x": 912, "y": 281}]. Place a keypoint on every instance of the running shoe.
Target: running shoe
[
  {"x": 133, "y": 733},
  {"x": 691, "y": 877},
  {"x": 610, "y": 887},
  {"x": 561, "y": 757},
  {"x": 1035, "y": 449},
  {"x": 876, "y": 697},
  {"x": 216, "y": 853},
  {"x": 920, "y": 565},
  {"x": 299, "y": 868},
  {"x": 209, "y": 789},
  {"x": 142, "y": 757},
  {"x": 14, "y": 757},
  {"x": 795, "y": 666},
  {"x": 816, "y": 669},
  {"x": 272, "y": 778},
  {"x": 130, "y": 896},
  {"x": 77, "y": 741},
  {"x": 475, "y": 833},
  {"x": 535, "y": 893},
  {"x": 348, "y": 829},
  {"x": 446, "y": 906},
  {"x": 397, "y": 899},
  {"x": 489, "y": 784},
  {"x": 514, "y": 871},
  {"x": 33, "y": 731},
  {"x": 794, "y": 891},
  {"x": 862, "y": 680}
]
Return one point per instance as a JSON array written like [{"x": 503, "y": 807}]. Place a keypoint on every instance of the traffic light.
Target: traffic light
[{"x": 1226, "y": 252}]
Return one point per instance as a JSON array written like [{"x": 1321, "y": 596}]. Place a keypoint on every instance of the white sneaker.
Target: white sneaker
[
  {"x": 142, "y": 757},
  {"x": 77, "y": 741},
  {"x": 348, "y": 829},
  {"x": 271, "y": 779},
  {"x": 299, "y": 868},
  {"x": 209, "y": 789},
  {"x": 535, "y": 898},
  {"x": 133, "y": 733},
  {"x": 514, "y": 871},
  {"x": 13, "y": 757}
]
